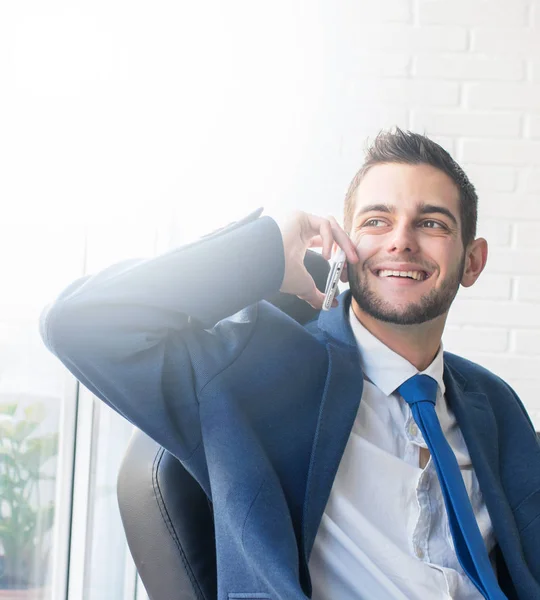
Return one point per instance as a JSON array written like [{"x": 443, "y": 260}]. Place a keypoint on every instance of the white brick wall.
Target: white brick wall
[
  {"x": 407, "y": 91},
  {"x": 467, "y": 73},
  {"x": 474, "y": 123},
  {"x": 506, "y": 41},
  {"x": 530, "y": 180},
  {"x": 473, "y": 12},
  {"x": 500, "y": 152},
  {"x": 533, "y": 126},
  {"x": 469, "y": 67},
  {"x": 410, "y": 39},
  {"x": 503, "y": 95}
]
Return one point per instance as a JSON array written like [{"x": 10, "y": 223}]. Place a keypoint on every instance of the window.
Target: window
[{"x": 37, "y": 414}]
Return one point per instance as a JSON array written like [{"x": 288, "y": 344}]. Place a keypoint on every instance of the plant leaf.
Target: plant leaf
[
  {"x": 8, "y": 408},
  {"x": 35, "y": 413}
]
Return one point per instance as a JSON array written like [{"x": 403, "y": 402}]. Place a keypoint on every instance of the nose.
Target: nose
[{"x": 402, "y": 239}]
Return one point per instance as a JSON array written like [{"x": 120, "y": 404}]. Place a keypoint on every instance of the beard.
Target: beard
[{"x": 430, "y": 306}]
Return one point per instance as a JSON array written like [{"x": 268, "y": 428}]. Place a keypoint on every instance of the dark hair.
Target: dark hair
[{"x": 410, "y": 148}]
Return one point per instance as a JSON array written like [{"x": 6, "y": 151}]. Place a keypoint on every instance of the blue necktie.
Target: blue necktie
[{"x": 420, "y": 392}]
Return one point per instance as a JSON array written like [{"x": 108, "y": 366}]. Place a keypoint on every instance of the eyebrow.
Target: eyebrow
[{"x": 425, "y": 209}]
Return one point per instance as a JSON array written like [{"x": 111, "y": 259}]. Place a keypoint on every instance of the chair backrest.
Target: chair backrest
[{"x": 166, "y": 516}]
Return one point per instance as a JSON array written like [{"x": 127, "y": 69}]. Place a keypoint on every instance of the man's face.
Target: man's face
[{"x": 406, "y": 221}]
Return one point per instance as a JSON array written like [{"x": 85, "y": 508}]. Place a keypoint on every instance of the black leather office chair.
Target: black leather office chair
[{"x": 167, "y": 517}]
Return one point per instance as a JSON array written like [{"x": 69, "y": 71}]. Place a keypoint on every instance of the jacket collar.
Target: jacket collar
[{"x": 335, "y": 323}]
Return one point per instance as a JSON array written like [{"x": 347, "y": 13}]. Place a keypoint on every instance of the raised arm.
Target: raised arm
[{"x": 146, "y": 336}]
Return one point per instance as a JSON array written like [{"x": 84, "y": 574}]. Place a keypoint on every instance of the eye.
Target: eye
[
  {"x": 374, "y": 223},
  {"x": 430, "y": 224}
]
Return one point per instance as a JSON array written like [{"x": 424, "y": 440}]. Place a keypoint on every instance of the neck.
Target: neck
[{"x": 418, "y": 344}]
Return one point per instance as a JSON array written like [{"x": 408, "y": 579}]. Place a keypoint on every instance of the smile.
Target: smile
[{"x": 415, "y": 275}]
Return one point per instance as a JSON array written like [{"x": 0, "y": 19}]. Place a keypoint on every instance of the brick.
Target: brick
[
  {"x": 491, "y": 178},
  {"x": 519, "y": 152},
  {"x": 471, "y": 311},
  {"x": 367, "y": 123},
  {"x": 527, "y": 342},
  {"x": 381, "y": 65},
  {"x": 467, "y": 123},
  {"x": 529, "y": 407},
  {"x": 404, "y": 92},
  {"x": 447, "y": 143},
  {"x": 529, "y": 180},
  {"x": 508, "y": 41},
  {"x": 473, "y": 12},
  {"x": 469, "y": 67},
  {"x": 536, "y": 15},
  {"x": 501, "y": 205},
  {"x": 528, "y": 287},
  {"x": 508, "y": 366},
  {"x": 497, "y": 233},
  {"x": 521, "y": 96},
  {"x": 489, "y": 286},
  {"x": 375, "y": 118},
  {"x": 410, "y": 39},
  {"x": 461, "y": 340},
  {"x": 527, "y": 235},
  {"x": 527, "y": 392},
  {"x": 382, "y": 11},
  {"x": 513, "y": 262},
  {"x": 532, "y": 126}
]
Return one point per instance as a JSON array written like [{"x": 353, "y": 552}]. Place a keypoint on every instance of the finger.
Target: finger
[
  {"x": 318, "y": 227},
  {"x": 316, "y": 242},
  {"x": 327, "y": 238},
  {"x": 313, "y": 297},
  {"x": 343, "y": 240},
  {"x": 344, "y": 277}
]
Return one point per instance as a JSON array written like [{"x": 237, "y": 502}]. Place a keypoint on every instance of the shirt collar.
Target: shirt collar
[{"x": 384, "y": 367}]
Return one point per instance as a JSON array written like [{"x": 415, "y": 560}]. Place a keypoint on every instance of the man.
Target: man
[{"x": 321, "y": 480}]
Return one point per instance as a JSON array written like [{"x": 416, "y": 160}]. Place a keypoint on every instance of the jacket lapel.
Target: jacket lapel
[
  {"x": 476, "y": 421},
  {"x": 338, "y": 408},
  {"x": 479, "y": 427}
]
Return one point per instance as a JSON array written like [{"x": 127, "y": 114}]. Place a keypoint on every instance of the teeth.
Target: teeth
[{"x": 418, "y": 275}]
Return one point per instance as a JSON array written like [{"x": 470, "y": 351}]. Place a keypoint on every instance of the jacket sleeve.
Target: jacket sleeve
[{"x": 144, "y": 336}]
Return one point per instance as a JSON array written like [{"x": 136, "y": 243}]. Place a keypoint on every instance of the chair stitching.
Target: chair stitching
[{"x": 168, "y": 522}]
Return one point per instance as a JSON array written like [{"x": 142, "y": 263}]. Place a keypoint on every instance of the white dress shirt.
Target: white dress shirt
[{"x": 384, "y": 534}]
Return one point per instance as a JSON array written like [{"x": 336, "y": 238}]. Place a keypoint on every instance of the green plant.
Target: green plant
[{"x": 24, "y": 522}]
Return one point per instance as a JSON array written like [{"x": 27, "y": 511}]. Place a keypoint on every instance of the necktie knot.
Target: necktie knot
[{"x": 419, "y": 388}]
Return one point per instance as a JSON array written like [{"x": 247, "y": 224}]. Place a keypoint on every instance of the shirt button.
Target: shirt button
[
  {"x": 419, "y": 552},
  {"x": 413, "y": 429}
]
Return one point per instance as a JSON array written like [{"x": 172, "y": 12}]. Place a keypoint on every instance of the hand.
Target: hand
[{"x": 300, "y": 232}]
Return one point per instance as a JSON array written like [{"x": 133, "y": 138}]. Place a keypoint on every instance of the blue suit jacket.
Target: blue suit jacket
[{"x": 259, "y": 408}]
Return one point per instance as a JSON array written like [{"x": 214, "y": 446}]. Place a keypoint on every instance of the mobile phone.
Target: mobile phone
[{"x": 338, "y": 262}]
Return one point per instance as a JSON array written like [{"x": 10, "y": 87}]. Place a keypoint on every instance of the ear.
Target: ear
[{"x": 475, "y": 260}]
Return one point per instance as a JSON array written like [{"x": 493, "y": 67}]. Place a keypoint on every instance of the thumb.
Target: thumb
[{"x": 312, "y": 296}]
